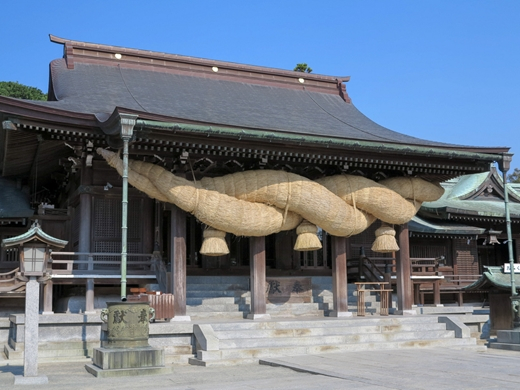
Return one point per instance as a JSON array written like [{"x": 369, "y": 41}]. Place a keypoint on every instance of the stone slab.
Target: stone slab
[
  {"x": 30, "y": 380},
  {"x": 444, "y": 309},
  {"x": 99, "y": 373},
  {"x": 508, "y": 336},
  {"x": 259, "y": 317},
  {"x": 340, "y": 314},
  {"x": 128, "y": 358}
]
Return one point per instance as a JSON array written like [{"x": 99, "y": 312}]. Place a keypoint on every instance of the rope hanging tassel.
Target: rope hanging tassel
[
  {"x": 385, "y": 240},
  {"x": 214, "y": 243},
  {"x": 307, "y": 239}
]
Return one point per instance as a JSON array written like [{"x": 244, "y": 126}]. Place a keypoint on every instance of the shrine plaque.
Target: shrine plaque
[{"x": 289, "y": 289}]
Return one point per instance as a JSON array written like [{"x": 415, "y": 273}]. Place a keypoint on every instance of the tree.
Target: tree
[
  {"x": 302, "y": 68},
  {"x": 20, "y": 91},
  {"x": 514, "y": 177}
]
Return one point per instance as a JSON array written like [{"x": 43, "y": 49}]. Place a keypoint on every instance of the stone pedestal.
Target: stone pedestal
[
  {"x": 507, "y": 339},
  {"x": 30, "y": 359},
  {"x": 125, "y": 350},
  {"x": 114, "y": 362}
]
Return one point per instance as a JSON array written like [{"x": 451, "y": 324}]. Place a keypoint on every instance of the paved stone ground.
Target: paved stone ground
[{"x": 370, "y": 370}]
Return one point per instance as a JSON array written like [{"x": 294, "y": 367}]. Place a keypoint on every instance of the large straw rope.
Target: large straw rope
[{"x": 253, "y": 203}]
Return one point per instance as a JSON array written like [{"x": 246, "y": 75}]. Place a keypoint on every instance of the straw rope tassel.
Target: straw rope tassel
[
  {"x": 307, "y": 239},
  {"x": 214, "y": 243},
  {"x": 385, "y": 240}
]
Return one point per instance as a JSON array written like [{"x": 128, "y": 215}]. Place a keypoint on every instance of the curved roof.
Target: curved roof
[
  {"x": 99, "y": 89},
  {"x": 479, "y": 195},
  {"x": 97, "y": 79},
  {"x": 493, "y": 277},
  {"x": 34, "y": 233},
  {"x": 420, "y": 225}
]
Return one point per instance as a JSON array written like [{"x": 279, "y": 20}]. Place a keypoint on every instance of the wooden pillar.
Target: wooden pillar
[
  {"x": 85, "y": 229},
  {"x": 257, "y": 278},
  {"x": 404, "y": 281},
  {"x": 178, "y": 256},
  {"x": 339, "y": 277}
]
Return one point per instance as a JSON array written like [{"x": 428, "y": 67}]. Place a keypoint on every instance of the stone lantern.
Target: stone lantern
[{"x": 35, "y": 247}]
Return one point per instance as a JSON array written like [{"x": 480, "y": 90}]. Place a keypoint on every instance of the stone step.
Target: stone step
[
  {"x": 313, "y": 332},
  {"x": 217, "y": 293},
  {"x": 294, "y": 309},
  {"x": 217, "y": 279},
  {"x": 325, "y": 322},
  {"x": 269, "y": 342},
  {"x": 258, "y": 353},
  {"x": 55, "y": 351},
  {"x": 226, "y": 307},
  {"x": 201, "y": 315},
  {"x": 212, "y": 301},
  {"x": 216, "y": 287}
]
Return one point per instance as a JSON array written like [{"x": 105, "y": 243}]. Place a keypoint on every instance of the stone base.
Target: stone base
[
  {"x": 128, "y": 358},
  {"x": 507, "y": 339},
  {"x": 411, "y": 312},
  {"x": 340, "y": 314},
  {"x": 100, "y": 373},
  {"x": 30, "y": 380},
  {"x": 258, "y": 316},
  {"x": 181, "y": 319},
  {"x": 508, "y": 336}
]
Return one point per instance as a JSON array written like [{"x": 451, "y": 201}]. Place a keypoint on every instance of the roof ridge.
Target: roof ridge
[{"x": 96, "y": 53}]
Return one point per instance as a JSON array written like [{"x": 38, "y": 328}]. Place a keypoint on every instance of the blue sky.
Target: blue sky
[{"x": 444, "y": 70}]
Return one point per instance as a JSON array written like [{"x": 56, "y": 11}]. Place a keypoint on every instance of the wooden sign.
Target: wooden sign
[
  {"x": 507, "y": 268},
  {"x": 289, "y": 289}
]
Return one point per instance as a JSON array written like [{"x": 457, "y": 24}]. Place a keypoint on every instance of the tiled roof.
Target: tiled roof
[{"x": 98, "y": 87}]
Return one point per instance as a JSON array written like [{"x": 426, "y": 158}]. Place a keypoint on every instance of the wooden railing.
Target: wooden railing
[
  {"x": 374, "y": 269},
  {"x": 10, "y": 285},
  {"x": 68, "y": 263},
  {"x": 431, "y": 276},
  {"x": 371, "y": 270}
]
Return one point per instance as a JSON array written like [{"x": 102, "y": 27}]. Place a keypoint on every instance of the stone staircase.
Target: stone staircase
[
  {"x": 210, "y": 297},
  {"x": 322, "y": 294},
  {"x": 246, "y": 342},
  {"x": 217, "y": 297}
]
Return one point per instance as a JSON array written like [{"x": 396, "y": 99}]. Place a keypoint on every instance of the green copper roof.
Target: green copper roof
[
  {"x": 34, "y": 233},
  {"x": 493, "y": 277},
  {"x": 419, "y": 225},
  {"x": 457, "y": 194},
  {"x": 467, "y": 184},
  {"x": 328, "y": 141}
]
